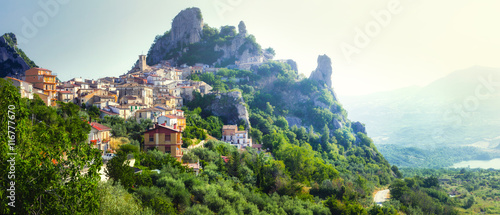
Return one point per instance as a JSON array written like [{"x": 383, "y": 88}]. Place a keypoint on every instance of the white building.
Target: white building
[{"x": 230, "y": 134}]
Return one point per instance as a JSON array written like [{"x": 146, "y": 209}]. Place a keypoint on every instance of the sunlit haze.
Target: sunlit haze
[{"x": 420, "y": 41}]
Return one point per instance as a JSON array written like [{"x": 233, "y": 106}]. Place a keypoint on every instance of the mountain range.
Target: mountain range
[{"x": 458, "y": 112}]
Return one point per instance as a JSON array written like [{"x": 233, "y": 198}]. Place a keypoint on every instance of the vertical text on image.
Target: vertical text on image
[{"x": 11, "y": 133}]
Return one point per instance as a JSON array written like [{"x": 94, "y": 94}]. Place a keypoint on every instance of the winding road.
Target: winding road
[{"x": 381, "y": 196}]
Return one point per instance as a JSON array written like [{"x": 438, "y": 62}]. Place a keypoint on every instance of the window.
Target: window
[
  {"x": 151, "y": 139},
  {"x": 167, "y": 137}
]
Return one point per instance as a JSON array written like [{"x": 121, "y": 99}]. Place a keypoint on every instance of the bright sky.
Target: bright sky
[{"x": 420, "y": 42}]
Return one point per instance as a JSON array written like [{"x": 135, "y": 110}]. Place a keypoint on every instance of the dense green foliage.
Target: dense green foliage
[
  {"x": 473, "y": 190},
  {"x": 422, "y": 194},
  {"x": 435, "y": 157},
  {"x": 198, "y": 127},
  {"x": 245, "y": 183},
  {"x": 313, "y": 156},
  {"x": 55, "y": 168},
  {"x": 127, "y": 128}
]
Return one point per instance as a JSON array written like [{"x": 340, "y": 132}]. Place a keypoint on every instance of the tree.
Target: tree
[
  {"x": 114, "y": 199},
  {"x": 129, "y": 148},
  {"x": 94, "y": 112},
  {"x": 119, "y": 170},
  {"x": 281, "y": 122},
  {"x": 51, "y": 155},
  {"x": 269, "y": 108}
]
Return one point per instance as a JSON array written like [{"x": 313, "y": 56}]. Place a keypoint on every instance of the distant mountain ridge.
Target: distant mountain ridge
[
  {"x": 13, "y": 61},
  {"x": 454, "y": 111}
]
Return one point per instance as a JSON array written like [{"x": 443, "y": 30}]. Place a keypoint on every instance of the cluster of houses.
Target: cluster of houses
[{"x": 146, "y": 92}]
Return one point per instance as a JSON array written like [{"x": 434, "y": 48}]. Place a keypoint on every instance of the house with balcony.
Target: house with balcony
[
  {"x": 165, "y": 139},
  {"x": 168, "y": 120},
  {"x": 43, "y": 79},
  {"x": 99, "y": 136},
  {"x": 230, "y": 134}
]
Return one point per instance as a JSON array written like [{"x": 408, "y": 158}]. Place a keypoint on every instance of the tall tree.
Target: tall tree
[{"x": 55, "y": 169}]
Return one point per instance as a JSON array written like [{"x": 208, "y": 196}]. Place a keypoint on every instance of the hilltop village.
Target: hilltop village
[{"x": 155, "y": 93}]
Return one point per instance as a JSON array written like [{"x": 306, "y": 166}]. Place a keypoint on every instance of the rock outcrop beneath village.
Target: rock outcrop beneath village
[
  {"x": 231, "y": 107},
  {"x": 11, "y": 62},
  {"x": 187, "y": 28},
  {"x": 323, "y": 73}
]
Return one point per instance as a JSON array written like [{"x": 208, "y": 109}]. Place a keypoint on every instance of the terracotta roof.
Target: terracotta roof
[
  {"x": 17, "y": 79},
  {"x": 65, "y": 92},
  {"x": 170, "y": 116},
  {"x": 108, "y": 112},
  {"x": 232, "y": 127},
  {"x": 167, "y": 127},
  {"x": 42, "y": 69},
  {"x": 100, "y": 127}
]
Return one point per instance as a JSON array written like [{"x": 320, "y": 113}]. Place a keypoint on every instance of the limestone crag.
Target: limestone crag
[
  {"x": 230, "y": 106},
  {"x": 292, "y": 64},
  {"x": 358, "y": 127},
  {"x": 242, "y": 29},
  {"x": 323, "y": 73},
  {"x": 187, "y": 28},
  {"x": 11, "y": 62},
  {"x": 232, "y": 49}
]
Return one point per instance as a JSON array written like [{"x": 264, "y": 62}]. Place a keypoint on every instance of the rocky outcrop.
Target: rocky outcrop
[
  {"x": 323, "y": 73},
  {"x": 187, "y": 28},
  {"x": 293, "y": 120},
  {"x": 242, "y": 29},
  {"x": 358, "y": 127},
  {"x": 337, "y": 124},
  {"x": 231, "y": 48},
  {"x": 11, "y": 60},
  {"x": 292, "y": 64},
  {"x": 231, "y": 107}
]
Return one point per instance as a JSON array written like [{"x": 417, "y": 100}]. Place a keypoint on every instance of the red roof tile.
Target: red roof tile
[{"x": 100, "y": 127}]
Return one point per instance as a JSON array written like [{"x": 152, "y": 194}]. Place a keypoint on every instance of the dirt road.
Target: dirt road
[{"x": 381, "y": 196}]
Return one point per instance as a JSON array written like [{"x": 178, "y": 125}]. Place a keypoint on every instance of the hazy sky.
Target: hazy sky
[{"x": 374, "y": 45}]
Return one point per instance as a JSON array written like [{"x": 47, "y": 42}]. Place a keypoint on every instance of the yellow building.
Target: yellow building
[{"x": 164, "y": 139}]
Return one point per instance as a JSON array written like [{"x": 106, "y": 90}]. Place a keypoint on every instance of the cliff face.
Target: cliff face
[
  {"x": 231, "y": 107},
  {"x": 187, "y": 28},
  {"x": 13, "y": 61},
  {"x": 323, "y": 73},
  {"x": 190, "y": 41}
]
